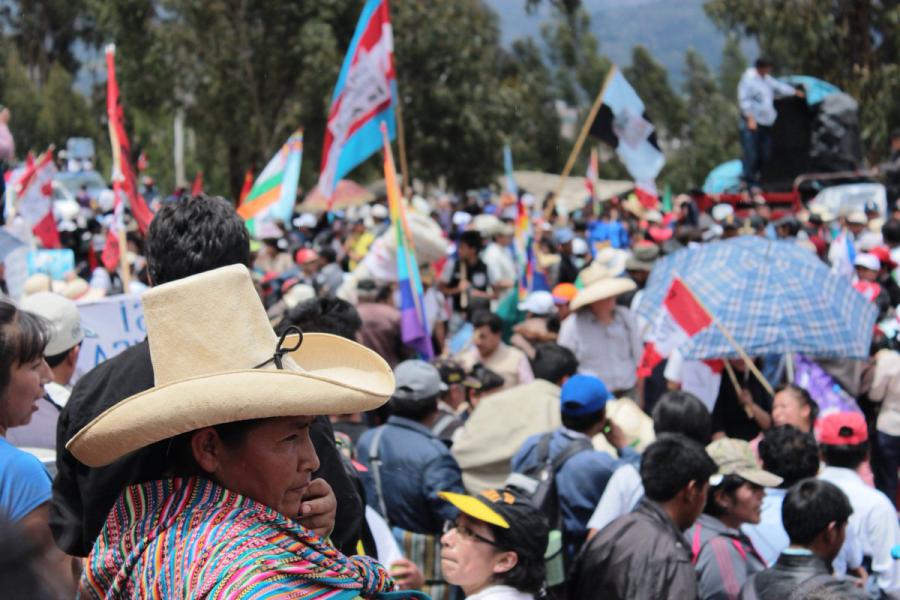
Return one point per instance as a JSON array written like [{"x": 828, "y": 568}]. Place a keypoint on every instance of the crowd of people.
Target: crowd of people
[{"x": 276, "y": 434}]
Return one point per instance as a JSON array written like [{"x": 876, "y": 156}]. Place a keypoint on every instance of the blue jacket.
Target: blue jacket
[
  {"x": 579, "y": 482},
  {"x": 415, "y": 466},
  {"x": 608, "y": 231}
]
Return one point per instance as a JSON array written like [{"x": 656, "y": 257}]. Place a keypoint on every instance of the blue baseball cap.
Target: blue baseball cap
[
  {"x": 563, "y": 236},
  {"x": 583, "y": 395}
]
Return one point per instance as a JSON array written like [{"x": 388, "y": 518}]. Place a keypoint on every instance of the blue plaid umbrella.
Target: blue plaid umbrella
[{"x": 774, "y": 297}]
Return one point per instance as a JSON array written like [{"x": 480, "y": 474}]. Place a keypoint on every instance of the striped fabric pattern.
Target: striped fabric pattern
[
  {"x": 773, "y": 296},
  {"x": 191, "y": 538}
]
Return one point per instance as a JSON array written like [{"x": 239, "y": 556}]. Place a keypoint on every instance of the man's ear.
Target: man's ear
[
  {"x": 506, "y": 562},
  {"x": 206, "y": 449},
  {"x": 72, "y": 355}
]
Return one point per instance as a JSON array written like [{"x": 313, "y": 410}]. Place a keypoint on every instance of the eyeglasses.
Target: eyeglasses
[{"x": 466, "y": 533}]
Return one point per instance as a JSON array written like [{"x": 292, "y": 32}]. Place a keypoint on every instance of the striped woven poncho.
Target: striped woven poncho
[{"x": 191, "y": 538}]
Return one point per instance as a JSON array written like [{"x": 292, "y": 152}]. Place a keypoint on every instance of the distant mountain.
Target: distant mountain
[{"x": 666, "y": 27}]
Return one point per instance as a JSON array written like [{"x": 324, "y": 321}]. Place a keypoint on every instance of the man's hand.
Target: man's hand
[
  {"x": 319, "y": 508},
  {"x": 407, "y": 575},
  {"x": 614, "y": 435},
  {"x": 751, "y": 123}
]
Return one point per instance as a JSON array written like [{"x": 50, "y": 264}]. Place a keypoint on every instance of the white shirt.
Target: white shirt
[
  {"x": 499, "y": 263},
  {"x": 756, "y": 96},
  {"x": 622, "y": 493},
  {"x": 609, "y": 352},
  {"x": 500, "y": 592},
  {"x": 873, "y": 523}
]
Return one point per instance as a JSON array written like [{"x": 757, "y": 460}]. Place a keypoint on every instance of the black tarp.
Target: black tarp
[{"x": 823, "y": 138}]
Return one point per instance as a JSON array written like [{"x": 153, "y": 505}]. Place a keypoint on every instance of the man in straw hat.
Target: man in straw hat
[
  {"x": 232, "y": 405},
  {"x": 603, "y": 336},
  {"x": 186, "y": 237}
]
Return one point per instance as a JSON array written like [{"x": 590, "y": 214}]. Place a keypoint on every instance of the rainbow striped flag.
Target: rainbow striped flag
[
  {"x": 413, "y": 323},
  {"x": 274, "y": 192},
  {"x": 523, "y": 240}
]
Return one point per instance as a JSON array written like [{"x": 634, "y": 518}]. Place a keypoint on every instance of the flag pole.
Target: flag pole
[
  {"x": 585, "y": 128},
  {"x": 734, "y": 343},
  {"x": 401, "y": 146},
  {"x": 401, "y": 137}
]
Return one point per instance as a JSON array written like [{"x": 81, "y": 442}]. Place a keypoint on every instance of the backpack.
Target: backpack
[{"x": 538, "y": 482}]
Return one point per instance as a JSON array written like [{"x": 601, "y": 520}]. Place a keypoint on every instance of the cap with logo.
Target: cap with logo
[
  {"x": 736, "y": 457},
  {"x": 452, "y": 373},
  {"x": 583, "y": 395},
  {"x": 61, "y": 313},
  {"x": 842, "y": 429},
  {"x": 522, "y": 527},
  {"x": 417, "y": 380}
]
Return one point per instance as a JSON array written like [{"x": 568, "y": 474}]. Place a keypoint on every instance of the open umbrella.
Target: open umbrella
[
  {"x": 773, "y": 296},
  {"x": 346, "y": 195}
]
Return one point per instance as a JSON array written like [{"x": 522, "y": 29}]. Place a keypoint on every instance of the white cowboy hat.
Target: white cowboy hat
[
  {"x": 601, "y": 289},
  {"x": 612, "y": 258},
  {"x": 216, "y": 360}
]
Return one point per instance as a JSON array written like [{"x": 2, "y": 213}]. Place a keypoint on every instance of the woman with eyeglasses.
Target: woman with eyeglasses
[{"x": 495, "y": 548}]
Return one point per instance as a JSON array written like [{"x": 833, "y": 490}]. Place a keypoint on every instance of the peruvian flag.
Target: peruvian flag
[
  {"x": 364, "y": 98},
  {"x": 593, "y": 172},
  {"x": 647, "y": 194},
  {"x": 681, "y": 318},
  {"x": 34, "y": 191}
]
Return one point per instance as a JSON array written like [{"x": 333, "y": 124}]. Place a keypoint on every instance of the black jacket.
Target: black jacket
[
  {"x": 789, "y": 572},
  {"x": 639, "y": 556},
  {"x": 83, "y": 496}
]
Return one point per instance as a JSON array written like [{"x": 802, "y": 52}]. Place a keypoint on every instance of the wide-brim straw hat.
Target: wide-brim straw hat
[
  {"x": 217, "y": 360},
  {"x": 602, "y": 289}
]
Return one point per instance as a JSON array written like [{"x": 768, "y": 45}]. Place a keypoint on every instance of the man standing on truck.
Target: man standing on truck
[{"x": 757, "y": 91}]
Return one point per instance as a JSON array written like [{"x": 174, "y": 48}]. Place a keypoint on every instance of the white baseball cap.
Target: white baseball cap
[
  {"x": 538, "y": 303},
  {"x": 62, "y": 315},
  {"x": 868, "y": 261}
]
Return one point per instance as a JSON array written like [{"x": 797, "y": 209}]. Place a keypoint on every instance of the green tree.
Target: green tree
[
  {"x": 42, "y": 117},
  {"x": 710, "y": 136},
  {"x": 651, "y": 82},
  {"x": 250, "y": 73},
  {"x": 734, "y": 63},
  {"x": 854, "y": 45},
  {"x": 45, "y": 33}
]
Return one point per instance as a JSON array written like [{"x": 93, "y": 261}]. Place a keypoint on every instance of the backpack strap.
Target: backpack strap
[
  {"x": 375, "y": 462},
  {"x": 443, "y": 422},
  {"x": 575, "y": 447},
  {"x": 543, "y": 448}
]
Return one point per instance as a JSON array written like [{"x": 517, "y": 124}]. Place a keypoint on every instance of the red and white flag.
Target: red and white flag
[
  {"x": 593, "y": 172},
  {"x": 681, "y": 318},
  {"x": 34, "y": 199}
]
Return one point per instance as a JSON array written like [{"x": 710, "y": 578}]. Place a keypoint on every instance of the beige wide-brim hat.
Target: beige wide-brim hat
[
  {"x": 602, "y": 289},
  {"x": 216, "y": 360}
]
